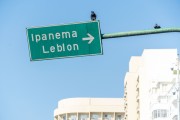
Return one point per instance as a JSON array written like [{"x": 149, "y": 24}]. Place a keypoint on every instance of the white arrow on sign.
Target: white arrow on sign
[{"x": 90, "y": 38}]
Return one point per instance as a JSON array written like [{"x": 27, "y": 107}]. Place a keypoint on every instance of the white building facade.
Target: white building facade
[
  {"x": 149, "y": 86},
  {"x": 151, "y": 92},
  {"x": 90, "y": 109}
]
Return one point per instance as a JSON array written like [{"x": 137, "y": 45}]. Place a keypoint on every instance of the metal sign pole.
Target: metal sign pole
[{"x": 141, "y": 32}]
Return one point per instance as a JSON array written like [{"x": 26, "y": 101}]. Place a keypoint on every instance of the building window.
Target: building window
[
  {"x": 154, "y": 114},
  {"x": 83, "y": 117},
  {"x": 107, "y": 116},
  {"x": 64, "y": 117},
  {"x": 118, "y": 117},
  {"x": 160, "y": 113},
  {"x": 164, "y": 87},
  {"x": 163, "y": 113},
  {"x": 95, "y": 116},
  {"x": 154, "y": 90},
  {"x": 72, "y": 117}
]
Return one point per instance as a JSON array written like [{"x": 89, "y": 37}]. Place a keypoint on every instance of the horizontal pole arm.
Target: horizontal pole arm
[{"x": 140, "y": 32}]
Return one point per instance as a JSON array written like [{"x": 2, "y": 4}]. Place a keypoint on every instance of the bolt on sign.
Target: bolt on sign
[{"x": 61, "y": 41}]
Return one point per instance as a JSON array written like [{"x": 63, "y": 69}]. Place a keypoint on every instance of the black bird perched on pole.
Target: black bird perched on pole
[
  {"x": 157, "y": 26},
  {"x": 93, "y": 16}
]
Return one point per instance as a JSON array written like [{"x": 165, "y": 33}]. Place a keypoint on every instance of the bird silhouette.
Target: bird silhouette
[
  {"x": 157, "y": 26},
  {"x": 93, "y": 16}
]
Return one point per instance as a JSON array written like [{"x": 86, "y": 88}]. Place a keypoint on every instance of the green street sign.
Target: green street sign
[{"x": 68, "y": 40}]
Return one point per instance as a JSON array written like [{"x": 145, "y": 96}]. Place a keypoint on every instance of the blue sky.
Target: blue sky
[{"x": 31, "y": 90}]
